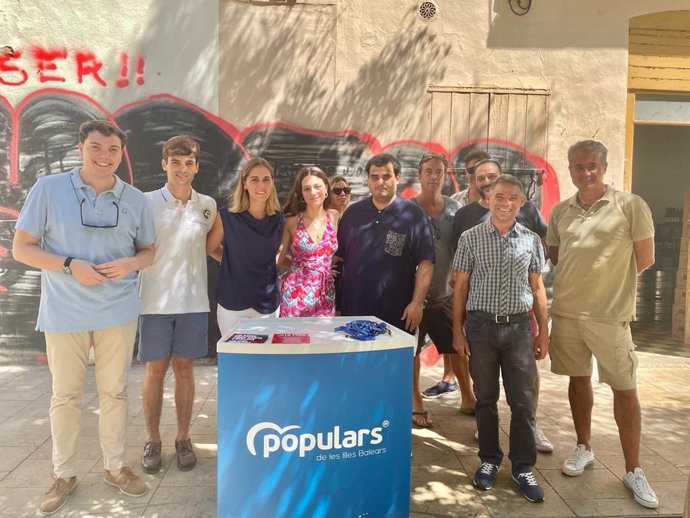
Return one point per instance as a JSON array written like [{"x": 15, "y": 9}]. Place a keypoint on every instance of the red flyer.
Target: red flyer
[{"x": 291, "y": 338}]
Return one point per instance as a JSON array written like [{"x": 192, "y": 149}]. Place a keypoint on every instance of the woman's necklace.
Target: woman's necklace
[{"x": 317, "y": 225}]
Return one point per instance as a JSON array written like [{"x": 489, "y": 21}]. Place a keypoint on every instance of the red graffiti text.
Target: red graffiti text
[{"x": 58, "y": 65}]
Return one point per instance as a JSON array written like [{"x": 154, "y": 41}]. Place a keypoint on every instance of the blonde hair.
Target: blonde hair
[
  {"x": 338, "y": 178},
  {"x": 239, "y": 202}
]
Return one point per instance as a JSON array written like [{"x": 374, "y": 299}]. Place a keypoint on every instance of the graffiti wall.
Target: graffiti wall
[
  {"x": 292, "y": 98},
  {"x": 38, "y": 137}
]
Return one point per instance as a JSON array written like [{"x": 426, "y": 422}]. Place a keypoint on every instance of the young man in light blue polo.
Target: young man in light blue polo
[
  {"x": 174, "y": 320},
  {"x": 89, "y": 233}
]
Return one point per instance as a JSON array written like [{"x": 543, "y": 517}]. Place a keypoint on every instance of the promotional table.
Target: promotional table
[{"x": 313, "y": 430}]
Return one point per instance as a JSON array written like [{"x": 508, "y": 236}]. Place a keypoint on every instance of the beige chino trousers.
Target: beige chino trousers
[{"x": 68, "y": 356}]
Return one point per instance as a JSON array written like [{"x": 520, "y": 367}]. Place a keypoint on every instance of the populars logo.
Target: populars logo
[{"x": 277, "y": 439}]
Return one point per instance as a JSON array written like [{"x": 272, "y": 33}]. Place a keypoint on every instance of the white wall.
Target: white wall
[
  {"x": 177, "y": 38},
  {"x": 369, "y": 66}
]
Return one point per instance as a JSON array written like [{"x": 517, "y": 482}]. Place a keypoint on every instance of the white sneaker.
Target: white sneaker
[
  {"x": 644, "y": 495},
  {"x": 543, "y": 443},
  {"x": 579, "y": 459}
]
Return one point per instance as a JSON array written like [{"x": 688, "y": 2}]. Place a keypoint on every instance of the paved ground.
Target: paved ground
[{"x": 443, "y": 456}]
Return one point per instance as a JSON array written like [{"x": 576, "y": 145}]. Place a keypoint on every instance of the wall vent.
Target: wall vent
[{"x": 427, "y": 11}]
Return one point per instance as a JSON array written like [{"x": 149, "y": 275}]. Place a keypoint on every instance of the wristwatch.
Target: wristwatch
[{"x": 65, "y": 266}]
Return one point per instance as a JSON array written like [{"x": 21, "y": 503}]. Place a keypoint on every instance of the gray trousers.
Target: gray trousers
[{"x": 505, "y": 349}]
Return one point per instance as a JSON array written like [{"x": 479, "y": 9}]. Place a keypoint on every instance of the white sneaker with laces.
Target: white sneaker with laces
[
  {"x": 543, "y": 443},
  {"x": 579, "y": 459},
  {"x": 644, "y": 495}
]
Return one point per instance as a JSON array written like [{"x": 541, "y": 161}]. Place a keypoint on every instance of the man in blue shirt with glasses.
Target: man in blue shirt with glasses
[{"x": 89, "y": 233}]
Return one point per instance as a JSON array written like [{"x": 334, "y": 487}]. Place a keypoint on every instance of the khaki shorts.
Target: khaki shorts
[{"x": 573, "y": 342}]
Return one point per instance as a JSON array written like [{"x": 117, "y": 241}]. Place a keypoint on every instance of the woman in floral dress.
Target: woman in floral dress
[{"x": 310, "y": 239}]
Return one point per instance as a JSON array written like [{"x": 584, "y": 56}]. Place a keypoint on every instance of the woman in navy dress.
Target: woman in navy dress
[{"x": 246, "y": 240}]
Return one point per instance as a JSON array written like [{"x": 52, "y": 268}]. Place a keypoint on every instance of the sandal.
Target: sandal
[
  {"x": 468, "y": 411},
  {"x": 421, "y": 419}
]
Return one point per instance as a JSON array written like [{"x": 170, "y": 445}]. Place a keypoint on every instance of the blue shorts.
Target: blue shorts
[{"x": 182, "y": 334}]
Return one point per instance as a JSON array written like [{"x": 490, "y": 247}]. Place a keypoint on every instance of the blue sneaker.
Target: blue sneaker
[
  {"x": 441, "y": 389},
  {"x": 529, "y": 487},
  {"x": 485, "y": 476}
]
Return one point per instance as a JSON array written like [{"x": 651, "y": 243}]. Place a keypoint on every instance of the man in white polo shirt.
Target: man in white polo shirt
[{"x": 174, "y": 318}]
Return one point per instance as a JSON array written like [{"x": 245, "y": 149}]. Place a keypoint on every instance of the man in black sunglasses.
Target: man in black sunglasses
[
  {"x": 89, "y": 233},
  {"x": 471, "y": 193}
]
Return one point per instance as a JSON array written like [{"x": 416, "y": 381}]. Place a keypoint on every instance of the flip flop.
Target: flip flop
[
  {"x": 468, "y": 411},
  {"x": 421, "y": 419}
]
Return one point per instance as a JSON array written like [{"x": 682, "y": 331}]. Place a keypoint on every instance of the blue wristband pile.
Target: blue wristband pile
[{"x": 363, "y": 329}]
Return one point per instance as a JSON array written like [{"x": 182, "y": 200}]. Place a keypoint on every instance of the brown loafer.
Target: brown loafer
[
  {"x": 56, "y": 494},
  {"x": 151, "y": 460},
  {"x": 127, "y": 482},
  {"x": 186, "y": 458}
]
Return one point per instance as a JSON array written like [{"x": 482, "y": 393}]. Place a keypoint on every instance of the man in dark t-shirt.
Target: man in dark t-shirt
[
  {"x": 474, "y": 213},
  {"x": 387, "y": 249}
]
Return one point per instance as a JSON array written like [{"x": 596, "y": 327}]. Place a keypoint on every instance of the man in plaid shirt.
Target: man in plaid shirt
[{"x": 498, "y": 266}]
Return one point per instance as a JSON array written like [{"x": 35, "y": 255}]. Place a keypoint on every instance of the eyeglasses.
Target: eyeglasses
[
  {"x": 436, "y": 228},
  {"x": 341, "y": 190},
  {"x": 81, "y": 214},
  {"x": 484, "y": 161},
  {"x": 433, "y": 156},
  {"x": 429, "y": 156},
  {"x": 472, "y": 169},
  {"x": 81, "y": 210}
]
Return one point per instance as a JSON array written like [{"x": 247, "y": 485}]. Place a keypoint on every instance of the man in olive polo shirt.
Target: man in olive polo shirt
[{"x": 600, "y": 239}]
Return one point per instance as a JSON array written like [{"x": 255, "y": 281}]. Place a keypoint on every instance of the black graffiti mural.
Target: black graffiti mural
[{"x": 39, "y": 137}]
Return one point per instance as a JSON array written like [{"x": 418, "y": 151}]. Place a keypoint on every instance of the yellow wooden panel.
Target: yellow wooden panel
[
  {"x": 660, "y": 42},
  {"x": 659, "y": 72},
  {"x": 460, "y": 119},
  {"x": 643, "y": 122},
  {"x": 440, "y": 118},
  {"x": 653, "y": 84},
  {"x": 629, "y": 140},
  {"x": 675, "y": 35},
  {"x": 670, "y": 20},
  {"x": 659, "y": 50},
  {"x": 640, "y": 60},
  {"x": 479, "y": 116}
]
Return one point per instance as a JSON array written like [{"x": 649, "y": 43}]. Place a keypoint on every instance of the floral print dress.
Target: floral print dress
[{"x": 308, "y": 289}]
